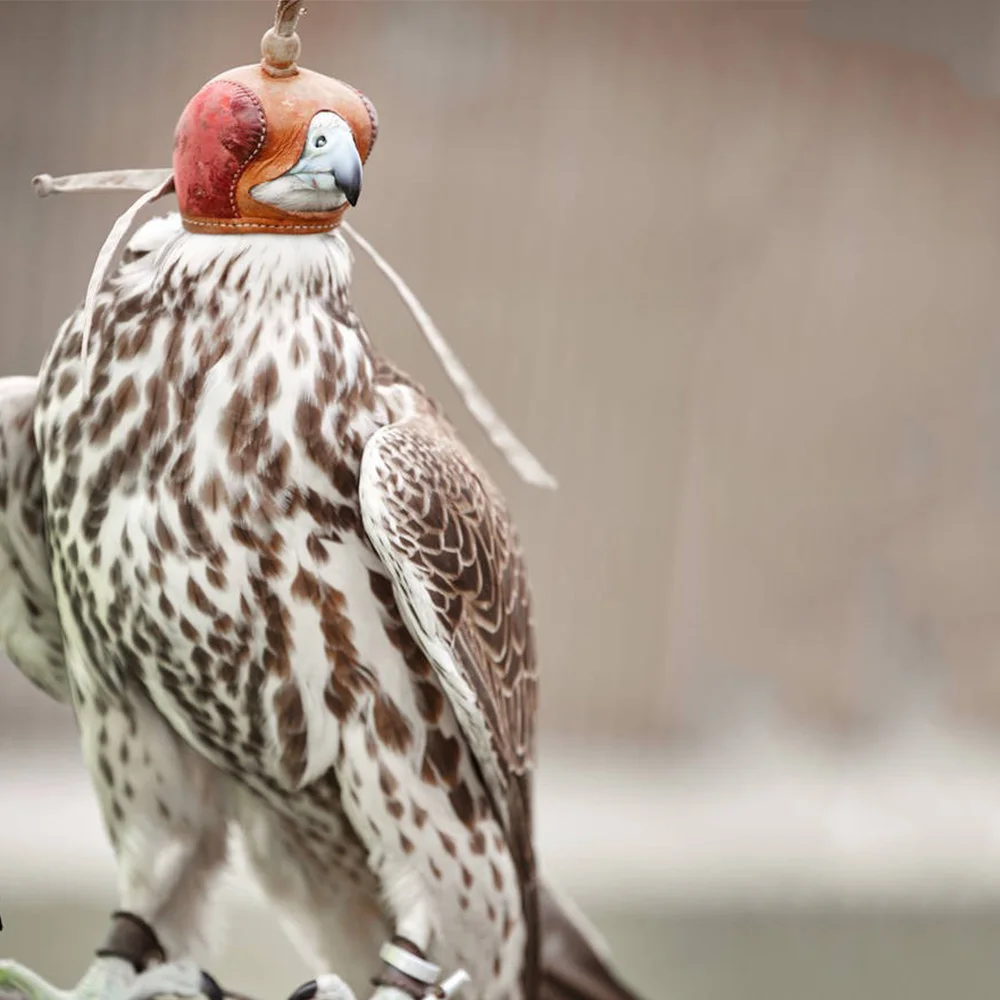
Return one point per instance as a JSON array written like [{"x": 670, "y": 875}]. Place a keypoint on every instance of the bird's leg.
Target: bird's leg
[
  {"x": 326, "y": 899},
  {"x": 434, "y": 885},
  {"x": 163, "y": 807},
  {"x": 406, "y": 975}
]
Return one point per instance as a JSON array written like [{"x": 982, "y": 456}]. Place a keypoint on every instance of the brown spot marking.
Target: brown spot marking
[
  {"x": 316, "y": 547},
  {"x": 448, "y": 843},
  {"x": 445, "y": 754},
  {"x": 390, "y": 725},
  {"x": 142, "y": 337},
  {"x": 395, "y": 807},
  {"x": 463, "y": 901},
  {"x": 105, "y": 768},
  {"x": 381, "y": 588},
  {"x": 461, "y": 801},
  {"x": 491, "y": 913},
  {"x": 265, "y": 384},
  {"x": 214, "y": 493},
  {"x": 270, "y": 565},
  {"x": 497, "y": 877},
  {"x": 309, "y": 430},
  {"x": 277, "y": 654},
  {"x": 65, "y": 385},
  {"x": 497, "y": 967},
  {"x": 166, "y": 608},
  {"x": 307, "y": 587},
  {"x": 246, "y": 437},
  {"x": 158, "y": 462},
  {"x": 508, "y": 926},
  {"x": 219, "y": 645},
  {"x": 274, "y": 475},
  {"x": 477, "y": 842},
  {"x": 297, "y": 351},
  {"x": 346, "y": 680},
  {"x": 386, "y": 781},
  {"x": 405, "y": 843},
  {"x": 435, "y": 871},
  {"x": 154, "y": 422},
  {"x": 198, "y": 533},
  {"x": 430, "y": 701},
  {"x": 163, "y": 809},
  {"x": 427, "y": 773},
  {"x": 466, "y": 877},
  {"x": 291, "y": 729},
  {"x": 164, "y": 536},
  {"x": 419, "y": 815},
  {"x": 112, "y": 410},
  {"x": 199, "y": 599}
]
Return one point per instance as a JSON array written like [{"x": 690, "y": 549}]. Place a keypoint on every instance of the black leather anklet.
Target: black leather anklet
[{"x": 133, "y": 940}]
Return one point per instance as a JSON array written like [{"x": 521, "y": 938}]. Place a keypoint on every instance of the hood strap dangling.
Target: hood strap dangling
[{"x": 502, "y": 437}]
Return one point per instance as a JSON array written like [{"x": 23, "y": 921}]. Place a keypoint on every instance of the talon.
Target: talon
[
  {"x": 210, "y": 988},
  {"x": 326, "y": 987},
  {"x": 306, "y": 991}
]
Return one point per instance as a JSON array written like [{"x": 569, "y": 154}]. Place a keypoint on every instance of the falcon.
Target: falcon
[{"x": 278, "y": 592}]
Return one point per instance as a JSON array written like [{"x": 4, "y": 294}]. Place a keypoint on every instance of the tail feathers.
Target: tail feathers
[{"x": 575, "y": 963}]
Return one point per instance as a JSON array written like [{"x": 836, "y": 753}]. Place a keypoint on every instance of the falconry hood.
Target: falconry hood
[
  {"x": 272, "y": 147},
  {"x": 276, "y": 149}
]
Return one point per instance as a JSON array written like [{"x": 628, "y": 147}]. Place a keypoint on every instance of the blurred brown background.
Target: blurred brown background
[{"x": 731, "y": 270}]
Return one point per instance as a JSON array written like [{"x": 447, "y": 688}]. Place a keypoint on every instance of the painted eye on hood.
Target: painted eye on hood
[{"x": 320, "y": 141}]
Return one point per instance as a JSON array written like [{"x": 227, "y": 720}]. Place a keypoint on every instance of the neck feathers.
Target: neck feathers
[
  {"x": 240, "y": 303},
  {"x": 255, "y": 266}
]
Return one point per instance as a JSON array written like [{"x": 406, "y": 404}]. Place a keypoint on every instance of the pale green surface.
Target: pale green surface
[{"x": 791, "y": 956}]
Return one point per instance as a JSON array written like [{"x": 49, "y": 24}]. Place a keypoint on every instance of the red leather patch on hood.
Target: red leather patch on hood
[{"x": 221, "y": 130}]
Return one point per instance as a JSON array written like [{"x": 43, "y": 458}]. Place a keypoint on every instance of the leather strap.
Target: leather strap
[
  {"x": 294, "y": 225},
  {"x": 404, "y": 983},
  {"x": 132, "y": 939}
]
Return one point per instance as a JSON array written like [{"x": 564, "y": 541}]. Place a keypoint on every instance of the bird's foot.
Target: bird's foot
[
  {"x": 183, "y": 979},
  {"x": 110, "y": 978},
  {"x": 326, "y": 987},
  {"x": 450, "y": 987},
  {"x": 405, "y": 978}
]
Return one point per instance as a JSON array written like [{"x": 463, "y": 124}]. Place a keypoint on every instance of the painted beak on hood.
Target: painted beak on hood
[{"x": 327, "y": 174}]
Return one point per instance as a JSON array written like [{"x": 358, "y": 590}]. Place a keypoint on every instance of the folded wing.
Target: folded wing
[
  {"x": 30, "y": 633},
  {"x": 445, "y": 537}
]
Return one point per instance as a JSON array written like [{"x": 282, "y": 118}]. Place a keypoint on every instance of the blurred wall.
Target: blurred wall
[{"x": 735, "y": 283}]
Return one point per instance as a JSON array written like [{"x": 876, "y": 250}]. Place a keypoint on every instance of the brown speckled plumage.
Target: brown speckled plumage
[{"x": 279, "y": 593}]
